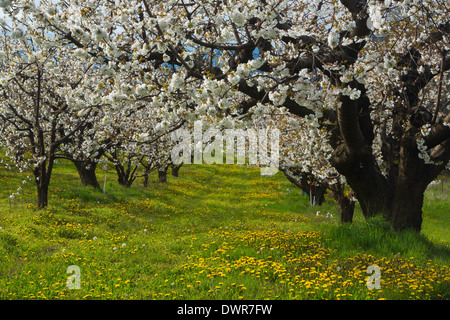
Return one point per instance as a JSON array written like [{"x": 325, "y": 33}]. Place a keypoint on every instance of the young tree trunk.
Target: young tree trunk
[
  {"x": 86, "y": 171},
  {"x": 42, "y": 174}
]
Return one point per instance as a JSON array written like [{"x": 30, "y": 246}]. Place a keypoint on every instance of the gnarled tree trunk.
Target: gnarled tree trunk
[
  {"x": 124, "y": 176},
  {"x": 398, "y": 197},
  {"x": 414, "y": 175},
  {"x": 86, "y": 171}
]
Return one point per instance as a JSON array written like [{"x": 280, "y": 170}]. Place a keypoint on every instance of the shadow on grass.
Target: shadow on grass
[{"x": 376, "y": 237}]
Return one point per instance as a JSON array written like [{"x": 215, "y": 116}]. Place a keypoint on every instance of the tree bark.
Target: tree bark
[
  {"x": 42, "y": 174},
  {"x": 347, "y": 209},
  {"x": 86, "y": 171},
  {"x": 145, "y": 182},
  {"x": 406, "y": 212},
  {"x": 42, "y": 189},
  {"x": 413, "y": 178},
  {"x": 345, "y": 204},
  {"x": 162, "y": 174},
  {"x": 371, "y": 188},
  {"x": 400, "y": 197},
  {"x": 123, "y": 176},
  {"x": 175, "y": 170}
]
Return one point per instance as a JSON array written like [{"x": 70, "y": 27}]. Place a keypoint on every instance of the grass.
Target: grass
[{"x": 215, "y": 232}]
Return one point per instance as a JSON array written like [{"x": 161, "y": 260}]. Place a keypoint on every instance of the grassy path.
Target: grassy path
[{"x": 215, "y": 232}]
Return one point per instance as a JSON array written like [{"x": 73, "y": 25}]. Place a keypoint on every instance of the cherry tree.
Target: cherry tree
[
  {"x": 373, "y": 74},
  {"x": 36, "y": 117},
  {"x": 138, "y": 136},
  {"x": 305, "y": 161},
  {"x": 86, "y": 149}
]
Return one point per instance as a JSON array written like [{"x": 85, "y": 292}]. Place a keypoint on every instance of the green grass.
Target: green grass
[{"x": 215, "y": 232}]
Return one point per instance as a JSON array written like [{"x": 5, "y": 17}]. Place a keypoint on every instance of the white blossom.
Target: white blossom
[{"x": 333, "y": 40}]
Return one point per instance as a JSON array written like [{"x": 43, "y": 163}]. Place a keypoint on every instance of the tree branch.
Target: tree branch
[
  {"x": 438, "y": 134},
  {"x": 358, "y": 10}
]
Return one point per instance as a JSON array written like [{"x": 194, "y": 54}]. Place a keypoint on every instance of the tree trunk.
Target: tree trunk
[
  {"x": 413, "y": 178},
  {"x": 175, "y": 170},
  {"x": 347, "y": 209},
  {"x": 406, "y": 212},
  {"x": 145, "y": 183},
  {"x": 42, "y": 189},
  {"x": 162, "y": 174},
  {"x": 123, "y": 176},
  {"x": 86, "y": 170},
  {"x": 42, "y": 174},
  {"x": 399, "y": 197},
  {"x": 371, "y": 188},
  {"x": 345, "y": 204}
]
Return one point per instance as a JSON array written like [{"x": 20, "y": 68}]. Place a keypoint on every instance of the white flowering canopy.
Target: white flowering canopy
[{"x": 373, "y": 75}]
